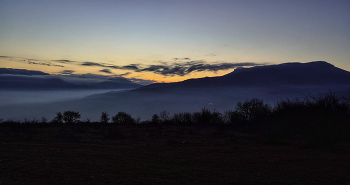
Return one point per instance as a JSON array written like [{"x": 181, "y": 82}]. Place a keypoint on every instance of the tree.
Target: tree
[
  {"x": 58, "y": 118},
  {"x": 71, "y": 116},
  {"x": 123, "y": 119},
  {"x": 253, "y": 110},
  {"x": 155, "y": 119},
  {"x": 164, "y": 115},
  {"x": 104, "y": 117}
]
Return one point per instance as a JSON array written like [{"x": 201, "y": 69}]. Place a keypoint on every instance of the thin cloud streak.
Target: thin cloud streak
[
  {"x": 106, "y": 71},
  {"x": 64, "y": 61},
  {"x": 43, "y": 63},
  {"x": 67, "y": 72}
]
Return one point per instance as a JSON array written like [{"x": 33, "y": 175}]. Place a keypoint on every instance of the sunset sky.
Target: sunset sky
[{"x": 170, "y": 40}]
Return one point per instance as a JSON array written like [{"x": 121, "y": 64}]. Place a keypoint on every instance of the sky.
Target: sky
[{"x": 150, "y": 41}]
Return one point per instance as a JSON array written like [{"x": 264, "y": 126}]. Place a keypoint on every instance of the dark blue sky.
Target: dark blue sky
[{"x": 152, "y": 33}]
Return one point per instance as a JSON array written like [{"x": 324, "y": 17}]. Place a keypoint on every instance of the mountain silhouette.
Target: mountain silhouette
[
  {"x": 313, "y": 73},
  {"x": 22, "y": 82},
  {"x": 21, "y": 72},
  {"x": 21, "y": 79},
  {"x": 115, "y": 84}
]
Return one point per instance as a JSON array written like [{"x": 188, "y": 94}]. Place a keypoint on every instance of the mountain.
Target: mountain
[
  {"x": 21, "y": 79},
  {"x": 24, "y": 82},
  {"x": 115, "y": 84},
  {"x": 21, "y": 72},
  {"x": 317, "y": 73},
  {"x": 270, "y": 83}
]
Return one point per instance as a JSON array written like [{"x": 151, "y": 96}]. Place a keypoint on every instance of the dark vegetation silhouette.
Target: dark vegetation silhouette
[
  {"x": 104, "y": 117},
  {"x": 321, "y": 121},
  {"x": 123, "y": 118}
]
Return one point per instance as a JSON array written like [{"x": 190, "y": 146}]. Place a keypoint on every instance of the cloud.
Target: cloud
[
  {"x": 181, "y": 59},
  {"x": 134, "y": 67},
  {"x": 142, "y": 81},
  {"x": 43, "y": 63},
  {"x": 124, "y": 74},
  {"x": 182, "y": 69},
  {"x": 64, "y": 61},
  {"x": 92, "y": 64},
  {"x": 172, "y": 69},
  {"x": 106, "y": 71},
  {"x": 32, "y": 61},
  {"x": 67, "y": 72}
]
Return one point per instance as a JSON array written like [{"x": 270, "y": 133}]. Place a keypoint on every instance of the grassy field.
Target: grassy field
[{"x": 148, "y": 154}]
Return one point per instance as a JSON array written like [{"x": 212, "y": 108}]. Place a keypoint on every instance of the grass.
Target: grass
[{"x": 146, "y": 154}]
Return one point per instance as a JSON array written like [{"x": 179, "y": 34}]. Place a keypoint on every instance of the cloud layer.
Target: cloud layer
[
  {"x": 172, "y": 69},
  {"x": 179, "y": 66}
]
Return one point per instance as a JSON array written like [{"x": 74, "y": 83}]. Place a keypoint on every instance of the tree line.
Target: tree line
[{"x": 324, "y": 119}]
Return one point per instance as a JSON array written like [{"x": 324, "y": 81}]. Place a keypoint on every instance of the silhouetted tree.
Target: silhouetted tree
[
  {"x": 58, "y": 118},
  {"x": 155, "y": 119},
  {"x": 123, "y": 119},
  {"x": 164, "y": 115},
  {"x": 104, "y": 117},
  {"x": 71, "y": 116},
  {"x": 43, "y": 120},
  {"x": 253, "y": 110},
  {"x": 204, "y": 117}
]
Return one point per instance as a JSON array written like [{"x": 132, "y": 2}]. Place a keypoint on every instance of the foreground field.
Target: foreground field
[{"x": 162, "y": 155}]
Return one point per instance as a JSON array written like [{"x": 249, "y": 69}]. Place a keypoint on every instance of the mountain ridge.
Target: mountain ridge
[{"x": 311, "y": 73}]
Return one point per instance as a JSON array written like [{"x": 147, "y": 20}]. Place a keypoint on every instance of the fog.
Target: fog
[
  {"x": 11, "y": 97},
  {"x": 145, "y": 103}
]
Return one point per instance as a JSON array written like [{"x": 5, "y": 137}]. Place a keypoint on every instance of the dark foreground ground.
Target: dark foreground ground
[{"x": 162, "y": 155}]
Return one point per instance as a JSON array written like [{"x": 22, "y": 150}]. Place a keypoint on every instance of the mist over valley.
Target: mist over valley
[{"x": 271, "y": 83}]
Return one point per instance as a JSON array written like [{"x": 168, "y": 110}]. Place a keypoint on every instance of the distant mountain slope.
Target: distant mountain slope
[
  {"x": 116, "y": 84},
  {"x": 22, "y": 82},
  {"x": 312, "y": 73},
  {"x": 21, "y": 72},
  {"x": 21, "y": 79}
]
